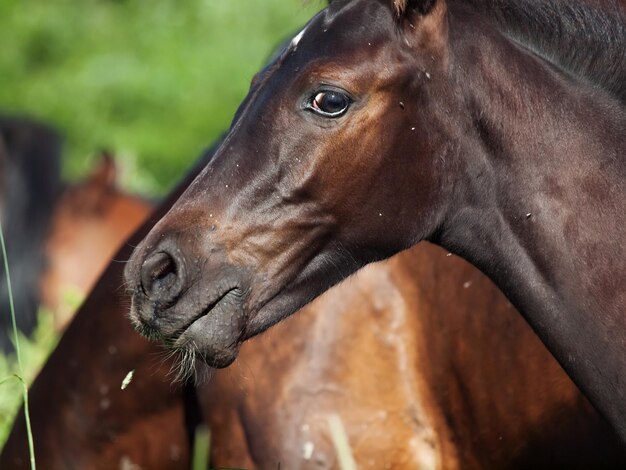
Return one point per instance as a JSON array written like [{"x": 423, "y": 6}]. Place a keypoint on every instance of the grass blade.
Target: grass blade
[
  {"x": 201, "y": 448},
  {"x": 31, "y": 446},
  {"x": 340, "y": 441}
]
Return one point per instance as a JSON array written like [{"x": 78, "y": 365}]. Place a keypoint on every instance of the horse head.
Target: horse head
[{"x": 336, "y": 158}]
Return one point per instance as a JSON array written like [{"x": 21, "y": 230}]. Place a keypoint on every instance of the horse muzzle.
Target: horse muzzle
[{"x": 190, "y": 300}]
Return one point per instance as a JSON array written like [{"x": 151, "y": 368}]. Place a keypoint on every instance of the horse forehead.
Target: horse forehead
[{"x": 345, "y": 21}]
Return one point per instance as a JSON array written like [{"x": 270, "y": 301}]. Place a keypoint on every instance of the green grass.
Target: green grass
[
  {"x": 201, "y": 448},
  {"x": 34, "y": 351},
  {"x": 19, "y": 374},
  {"x": 155, "y": 81}
]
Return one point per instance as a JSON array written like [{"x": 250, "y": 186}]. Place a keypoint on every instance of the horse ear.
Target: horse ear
[
  {"x": 91, "y": 195},
  {"x": 421, "y": 6},
  {"x": 424, "y": 24},
  {"x": 105, "y": 174}
]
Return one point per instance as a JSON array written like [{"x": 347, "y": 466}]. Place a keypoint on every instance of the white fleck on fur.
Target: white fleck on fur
[
  {"x": 296, "y": 40},
  {"x": 307, "y": 450}
]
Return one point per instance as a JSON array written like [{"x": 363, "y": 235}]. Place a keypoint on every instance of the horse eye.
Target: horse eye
[{"x": 329, "y": 103}]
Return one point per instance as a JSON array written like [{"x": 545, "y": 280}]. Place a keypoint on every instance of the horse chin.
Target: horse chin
[{"x": 213, "y": 339}]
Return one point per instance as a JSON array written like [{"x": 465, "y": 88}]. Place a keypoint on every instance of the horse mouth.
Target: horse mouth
[
  {"x": 214, "y": 334},
  {"x": 211, "y": 307}
]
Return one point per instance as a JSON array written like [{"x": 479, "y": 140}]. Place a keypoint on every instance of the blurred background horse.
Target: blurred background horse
[
  {"x": 59, "y": 237},
  {"x": 91, "y": 219}
]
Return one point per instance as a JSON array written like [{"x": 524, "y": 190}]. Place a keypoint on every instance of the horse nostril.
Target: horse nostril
[{"x": 159, "y": 274}]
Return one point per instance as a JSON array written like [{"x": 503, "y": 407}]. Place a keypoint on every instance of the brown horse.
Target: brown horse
[
  {"x": 493, "y": 128},
  {"x": 91, "y": 220},
  {"x": 404, "y": 353},
  {"x": 427, "y": 365},
  {"x": 91, "y": 422}
]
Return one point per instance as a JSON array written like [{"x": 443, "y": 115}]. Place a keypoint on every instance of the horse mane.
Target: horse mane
[
  {"x": 584, "y": 37},
  {"x": 587, "y": 38},
  {"x": 29, "y": 184}
]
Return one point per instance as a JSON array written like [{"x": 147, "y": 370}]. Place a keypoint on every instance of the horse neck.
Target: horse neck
[{"x": 540, "y": 206}]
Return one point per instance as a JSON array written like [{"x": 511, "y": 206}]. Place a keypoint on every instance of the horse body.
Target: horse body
[
  {"x": 388, "y": 122},
  {"x": 406, "y": 354}
]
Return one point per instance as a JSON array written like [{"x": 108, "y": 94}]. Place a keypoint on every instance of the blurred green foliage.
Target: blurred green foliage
[{"x": 156, "y": 81}]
